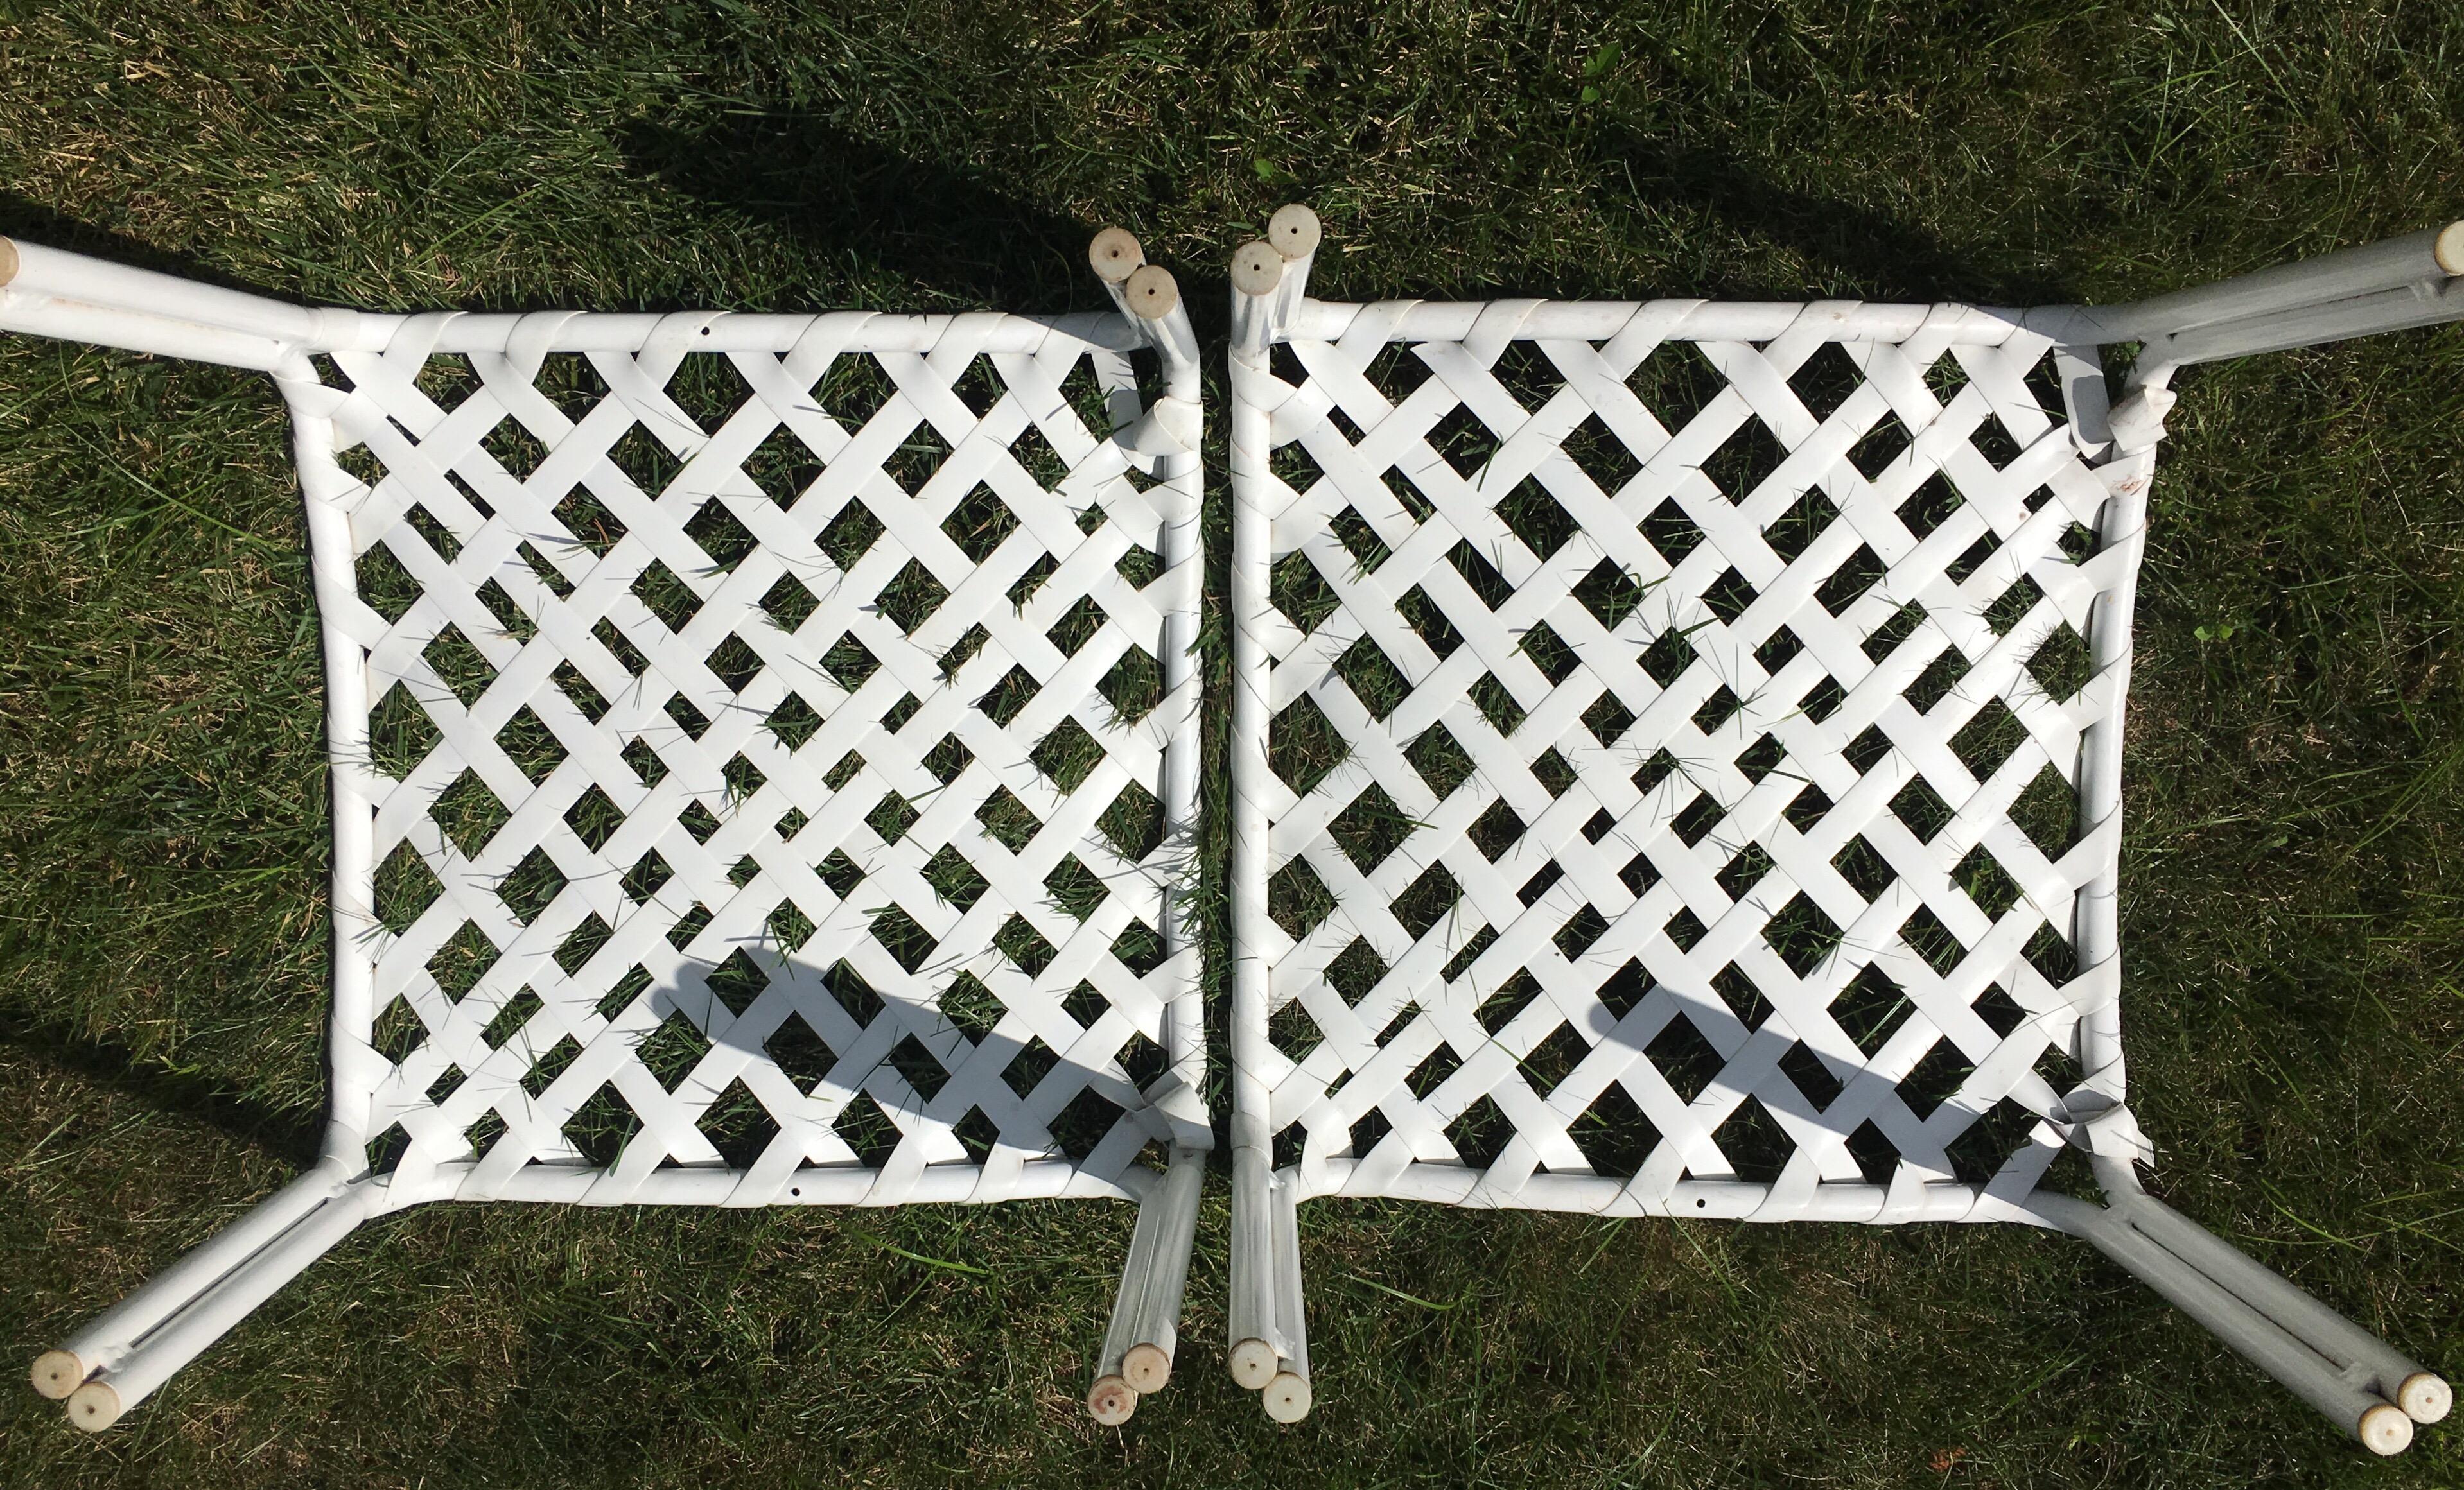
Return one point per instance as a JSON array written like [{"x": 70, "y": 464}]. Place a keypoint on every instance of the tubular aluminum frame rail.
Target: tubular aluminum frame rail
[
  {"x": 689, "y": 919},
  {"x": 1476, "y": 584}
]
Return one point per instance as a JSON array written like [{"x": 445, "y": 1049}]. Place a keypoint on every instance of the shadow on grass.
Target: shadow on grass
[
  {"x": 282, "y": 1132},
  {"x": 30, "y": 222},
  {"x": 1873, "y": 252},
  {"x": 944, "y": 228}
]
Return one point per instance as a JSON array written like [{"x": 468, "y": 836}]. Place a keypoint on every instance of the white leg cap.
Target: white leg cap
[
  {"x": 1153, "y": 291},
  {"x": 1254, "y": 1364},
  {"x": 1115, "y": 255},
  {"x": 1111, "y": 1401},
  {"x": 94, "y": 1407},
  {"x": 1256, "y": 269},
  {"x": 1146, "y": 1368},
  {"x": 1293, "y": 230},
  {"x": 2424, "y": 1397},
  {"x": 57, "y": 1373},
  {"x": 2385, "y": 1430},
  {"x": 1287, "y": 1398}
]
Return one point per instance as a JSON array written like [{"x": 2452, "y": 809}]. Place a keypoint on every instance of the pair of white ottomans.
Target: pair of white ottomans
[{"x": 1675, "y": 767}]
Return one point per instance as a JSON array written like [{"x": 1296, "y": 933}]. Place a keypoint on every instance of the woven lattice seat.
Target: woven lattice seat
[
  {"x": 761, "y": 762},
  {"x": 1678, "y": 765}
]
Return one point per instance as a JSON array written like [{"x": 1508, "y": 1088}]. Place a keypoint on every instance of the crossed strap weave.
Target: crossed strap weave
[
  {"x": 765, "y": 730},
  {"x": 1673, "y": 754}
]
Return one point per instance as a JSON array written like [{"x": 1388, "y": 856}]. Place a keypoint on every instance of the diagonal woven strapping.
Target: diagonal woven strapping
[
  {"x": 766, "y": 726},
  {"x": 1673, "y": 757}
]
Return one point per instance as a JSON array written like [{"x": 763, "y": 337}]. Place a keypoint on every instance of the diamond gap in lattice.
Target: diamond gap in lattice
[
  {"x": 721, "y": 535},
  {"x": 530, "y": 745},
  {"x": 1929, "y": 939},
  {"x": 912, "y": 596},
  {"x": 866, "y": 1130},
  {"x": 1439, "y": 759},
  {"x": 2047, "y": 811},
  {"x": 1297, "y": 899},
  {"x": 622, "y": 994},
  {"x": 737, "y": 1125},
  {"x": 1373, "y": 678},
  {"x": 1796, "y": 529},
  {"x": 688, "y": 718},
  {"x": 2062, "y": 664},
  {"x": 1861, "y": 571},
  {"x": 1303, "y": 745},
  {"x": 400, "y": 733},
  {"x": 1134, "y": 823},
  {"x": 1756, "y": 1147},
  {"x": 1686, "y": 1061},
  {"x": 1870, "y": 1009},
  {"x": 545, "y": 1071},
  {"x": 397, "y": 1030},
  {"x": 1076, "y": 890},
  {"x": 1981, "y": 1150},
  {"x": 690, "y": 926},
  {"x": 531, "y": 886},
  {"x": 458, "y": 665},
  {"x": 645, "y": 461},
  {"x": 918, "y": 457},
  {"x": 1023, "y": 944},
  {"x": 1301, "y": 593},
  {"x": 783, "y": 467},
  {"x": 1609, "y": 592},
  {"x": 788, "y": 926},
  {"x": 1806, "y": 1071},
  {"x": 899, "y": 934},
  {"x": 1371, "y": 827},
  {"x": 1135, "y": 686},
  {"x": 594, "y": 527},
  {"x": 1982, "y": 877},
  {"x": 667, "y": 596},
  {"x": 1068, "y": 754}
]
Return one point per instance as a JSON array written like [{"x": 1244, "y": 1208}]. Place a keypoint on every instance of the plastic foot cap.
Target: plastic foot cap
[
  {"x": 2385, "y": 1430},
  {"x": 1153, "y": 291},
  {"x": 1293, "y": 230},
  {"x": 1111, "y": 1401},
  {"x": 2424, "y": 1397},
  {"x": 1146, "y": 1368},
  {"x": 1115, "y": 255},
  {"x": 1256, "y": 269},
  {"x": 7, "y": 261},
  {"x": 57, "y": 1373},
  {"x": 94, "y": 1407},
  {"x": 1287, "y": 1398},
  {"x": 1254, "y": 1364}
]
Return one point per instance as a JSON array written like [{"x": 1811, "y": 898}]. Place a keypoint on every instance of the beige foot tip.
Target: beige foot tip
[
  {"x": 2385, "y": 1430},
  {"x": 94, "y": 1407},
  {"x": 2448, "y": 250},
  {"x": 2424, "y": 1397},
  {"x": 1115, "y": 255},
  {"x": 57, "y": 1373},
  {"x": 1254, "y": 1364},
  {"x": 1294, "y": 231},
  {"x": 1146, "y": 1368},
  {"x": 1256, "y": 269},
  {"x": 1111, "y": 1401},
  {"x": 7, "y": 261},
  {"x": 1153, "y": 291},
  {"x": 1286, "y": 1397}
]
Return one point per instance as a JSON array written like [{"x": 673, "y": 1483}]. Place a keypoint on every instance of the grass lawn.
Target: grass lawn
[{"x": 2293, "y": 867}]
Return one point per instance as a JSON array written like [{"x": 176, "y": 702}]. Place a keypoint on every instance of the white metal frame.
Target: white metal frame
[
  {"x": 713, "y": 819},
  {"x": 1679, "y": 883}
]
